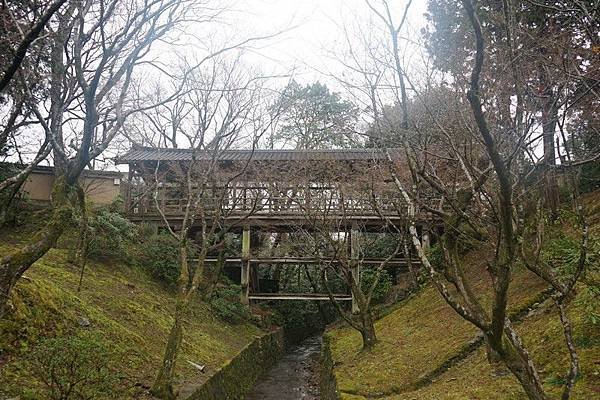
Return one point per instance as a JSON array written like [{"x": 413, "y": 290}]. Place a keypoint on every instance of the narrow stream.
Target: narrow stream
[{"x": 294, "y": 377}]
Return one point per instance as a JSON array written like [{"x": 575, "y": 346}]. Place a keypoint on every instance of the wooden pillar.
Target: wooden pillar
[
  {"x": 354, "y": 264},
  {"x": 425, "y": 239},
  {"x": 245, "y": 273}
]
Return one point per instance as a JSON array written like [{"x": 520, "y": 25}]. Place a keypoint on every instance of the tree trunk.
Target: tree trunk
[
  {"x": 206, "y": 292},
  {"x": 549, "y": 120},
  {"x": 520, "y": 367},
  {"x": 15, "y": 264},
  {"x": 369, "y": 338},
  {"x": 516, "y": 358},
  {"x": 413, "y": 277},
  {"x": 83, "y": 243},
  {"x": 9, "y": 203},
  {"x": 163, "y": 386}
]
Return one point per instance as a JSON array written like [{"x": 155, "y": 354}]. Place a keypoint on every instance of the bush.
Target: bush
[
  {"x": 159, "y": 255},
  {"x": 111, "y": 235},
  {"x": 435, "y": 255},
  {"x": 367, "y": 277},
  {"x": 562, "y": 254},
  {"x": 75, "y": 368},
  {"x": 589, "y": 299},
  {"x": 226, "y": 304}
]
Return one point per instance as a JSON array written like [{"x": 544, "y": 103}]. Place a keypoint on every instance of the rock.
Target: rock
[
  {"x": 83, "y": 321},
  {"x": 475, "y": 341},
  {"x": 199, "y": 367},
  {"x": 500, "y": 373}
]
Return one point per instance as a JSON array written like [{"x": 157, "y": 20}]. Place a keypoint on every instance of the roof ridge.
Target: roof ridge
[
  {"x": 173, "y": 154},
  {"x": 347, "y": 149}
]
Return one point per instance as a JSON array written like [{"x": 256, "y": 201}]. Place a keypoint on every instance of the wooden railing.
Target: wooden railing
[{"x": 261, "y": 200}]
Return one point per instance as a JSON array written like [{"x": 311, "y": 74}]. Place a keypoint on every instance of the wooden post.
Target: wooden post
[
  {"x": 425, "y": 239},
  {"x": 245, "y": 273},
  {"x": 354, "y": 264}
]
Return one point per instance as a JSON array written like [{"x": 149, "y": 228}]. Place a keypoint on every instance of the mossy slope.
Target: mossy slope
[
  {"x": 124, "y": 307},
  {"x": 423, "y": 332}
]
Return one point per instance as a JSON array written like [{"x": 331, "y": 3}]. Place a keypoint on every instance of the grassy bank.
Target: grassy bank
[
  {"x": 119, "y": 306},
  {"x": 426, "y": 351}
]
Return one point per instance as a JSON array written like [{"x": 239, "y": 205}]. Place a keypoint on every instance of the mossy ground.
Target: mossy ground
[
  {"x": 423, "y": 332},
  {"x": 124, "y": 306}
]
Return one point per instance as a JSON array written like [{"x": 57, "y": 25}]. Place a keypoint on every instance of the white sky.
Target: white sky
[
  {"x": 313, "y": 29},
  {"x": 316, "y": 29}
]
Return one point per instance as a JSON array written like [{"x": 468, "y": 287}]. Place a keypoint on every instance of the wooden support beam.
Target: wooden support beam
[{"x": 245, "y": 263}]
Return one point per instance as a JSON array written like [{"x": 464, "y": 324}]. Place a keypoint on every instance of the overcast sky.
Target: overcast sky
[
  {"x": 312, "y": 30},
  {"x": 316, "y": 30}
]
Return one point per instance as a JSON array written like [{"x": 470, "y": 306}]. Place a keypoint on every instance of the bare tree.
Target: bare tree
[
  {"x": 223, "y": 109},
  {"x": 95, "y": 47},
  {"x": 11, "y": 22},
  {"x": 333, "y": 201},
  {"x": 347, "y": 265},
  {"x": 481, "y": 172}
]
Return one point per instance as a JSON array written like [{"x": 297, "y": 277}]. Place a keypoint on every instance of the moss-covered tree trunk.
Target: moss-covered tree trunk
[
  {"x": 15, "y": 264},
  {"x": 9, "y": 202},
  {"x": 211, "y": 283},
  {"x": 369, "y": 338},
  {"x": 519, "y": 362},
  {"x": 366, "y": 323},
  {"x": 187, "y": 287},
  {"x": 163, "y": 386}
]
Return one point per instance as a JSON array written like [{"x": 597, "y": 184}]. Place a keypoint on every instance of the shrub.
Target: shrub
[
  {"x": 435, "y": 254},
  {"x": 111, "y": 235},
  {"x": 159, "y": 256},
  {"x": 562, "y": 253},
  {"x": 227, "y": 306},
  {"x": 367, "y": 277},
  {"x": 589, "y": 299},
  {"x": 75, "y": 368}
]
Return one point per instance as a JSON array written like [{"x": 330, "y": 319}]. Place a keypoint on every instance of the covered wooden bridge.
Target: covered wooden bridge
[{"x": 265, "y": 191}]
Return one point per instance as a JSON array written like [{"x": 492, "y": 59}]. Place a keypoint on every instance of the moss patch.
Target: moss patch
[{"x": 124, "y": 307}]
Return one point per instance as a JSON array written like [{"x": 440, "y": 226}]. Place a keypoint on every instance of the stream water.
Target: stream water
[{"x": 294, "y": 377}]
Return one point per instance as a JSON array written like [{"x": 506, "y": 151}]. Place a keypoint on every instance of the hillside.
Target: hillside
[
  {"x": 122, "y": 309},
  {"x": 426, "y": 351}
]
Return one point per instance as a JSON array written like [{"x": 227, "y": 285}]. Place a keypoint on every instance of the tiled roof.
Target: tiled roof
[{"x": 154, "y": 154}]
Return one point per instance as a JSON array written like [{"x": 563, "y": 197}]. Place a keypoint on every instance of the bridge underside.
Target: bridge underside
[{"x": 245, "y": 267}]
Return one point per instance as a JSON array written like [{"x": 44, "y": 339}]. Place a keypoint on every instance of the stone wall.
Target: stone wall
[{"x": 237, "y": 377}]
